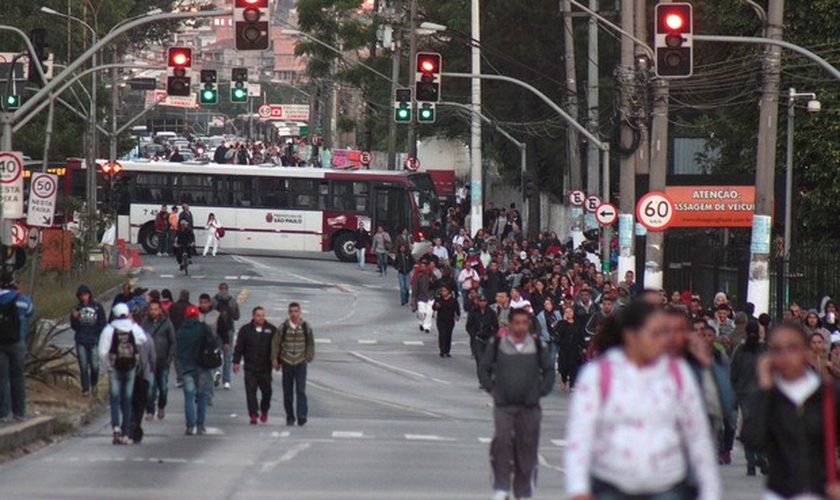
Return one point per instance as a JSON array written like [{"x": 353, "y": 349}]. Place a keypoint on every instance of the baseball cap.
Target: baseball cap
[
  {"x": 120, "y": 311},
  {"x": 192, "y": 312}
]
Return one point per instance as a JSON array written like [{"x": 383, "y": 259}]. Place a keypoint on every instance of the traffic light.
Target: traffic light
[
  {"x": 179, "y": 71},
  {"x": 38, "y": 38},
  {"x": 426, "y": 112},
  {"x": 11, "y": 101},
  {"x": 250, "y": 19},
  {"x": 528, "y": 186},
  {"x": 427, "y": 77},
  {"x": 208, "y": 93},
  {"x": 239, "y": 85},
  {"x": 674, "y": 40},
  {"x": 402, "y": 106}
]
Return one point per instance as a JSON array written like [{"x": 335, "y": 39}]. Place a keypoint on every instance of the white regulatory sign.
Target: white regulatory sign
[
  {"x": 655, "y": 211},
  {"x": 576, "y": 198},
  {"x": 33, "y": 238},
  {"x": 42, "y": 195},
  {"x": 11, "y": 178},
  {"x": 593, "y": 201},
  {"x": 606, "y": 214}
]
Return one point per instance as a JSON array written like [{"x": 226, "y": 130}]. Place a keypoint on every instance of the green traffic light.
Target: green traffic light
[
  {"x": 12, "y": 101},
  {"x": 402, "y": 114},
  {"x": 208, "y": 96},
  {"x": 238, "y": 94},
  {"x": 426, "y": 115}
]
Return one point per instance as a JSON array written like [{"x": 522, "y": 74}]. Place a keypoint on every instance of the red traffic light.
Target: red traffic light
[
  {"x": 111, "y": 168},
  {"x": 245, "y": 4},
  {"x": 674, "y": 22},
  {"x": 180, "y": 57},
  {"x": 428, "y": 63}
]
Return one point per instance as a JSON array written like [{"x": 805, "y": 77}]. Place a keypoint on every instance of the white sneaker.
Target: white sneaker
[
  {"x": 500, "y": 495},
  {"x": 227, "y": 385}
]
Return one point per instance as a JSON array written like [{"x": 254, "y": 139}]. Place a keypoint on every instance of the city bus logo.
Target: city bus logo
[
  {"x": 341, "y": 220},
  {"x": 283, "y": 218}
]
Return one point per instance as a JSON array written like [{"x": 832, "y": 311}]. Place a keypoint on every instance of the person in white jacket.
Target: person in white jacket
[
  {"x": 212, "y": 229},
  {"x": 637, "y": 423},
  {"x": 119, "y": 357}
]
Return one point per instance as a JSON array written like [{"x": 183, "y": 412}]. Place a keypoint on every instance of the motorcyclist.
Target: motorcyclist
[{"x": 184, "y": 242}]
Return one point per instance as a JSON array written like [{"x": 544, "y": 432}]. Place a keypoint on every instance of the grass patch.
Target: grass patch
[{"x": 55, "y": 293}]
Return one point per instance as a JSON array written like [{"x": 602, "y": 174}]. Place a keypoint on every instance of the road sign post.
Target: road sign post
[
  {"x": 11, "y": 178},
  {"x": 655, "y": 211}
]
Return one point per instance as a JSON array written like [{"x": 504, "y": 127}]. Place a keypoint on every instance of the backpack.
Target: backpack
[
  {"x": 209, "y": 351},
  {"x": 225, "y": 322},
  {"x": 123, "y": 351},
  {"x": 10, "y": 322}
]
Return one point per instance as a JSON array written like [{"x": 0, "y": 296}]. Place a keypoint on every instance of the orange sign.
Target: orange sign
[{"x": 712, "y": 206}]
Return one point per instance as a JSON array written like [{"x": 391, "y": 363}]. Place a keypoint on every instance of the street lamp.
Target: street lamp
[{"x": 814, "y": 106}]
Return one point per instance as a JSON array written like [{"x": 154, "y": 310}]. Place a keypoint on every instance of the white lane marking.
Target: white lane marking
[
  {"x": 559, "y": 442},
  {"x": 413, "y": 342},
  {"x": 348, "y": 434},
  {"x": 167, "y": 275},
  {"x": 231, "y": 278},
  {"x": 255, "y": 263},
  {"x": 367, "y": 342},
  {"x": 198, "y": 277},
  {"x": 283, "y": 434},
  {"x": 544, "y": 463},
  {"x": 287, "y": 457},
  {"x": 323, "y": 341},
  {"x": 439, "y": 381},
  {"x": 215, "y": 431},
  {"x": 426, "y": 437},
  {"x": 387, "y": 366},
  {"x": 459, "y": 342},
  {"x": 244, "y": 278},
  {"x": 484, "y": 440}
]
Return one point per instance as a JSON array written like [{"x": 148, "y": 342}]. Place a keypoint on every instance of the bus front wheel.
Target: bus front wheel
[
  {"x": 344, "y": 247},
  {"x": 149, "y": 239}
]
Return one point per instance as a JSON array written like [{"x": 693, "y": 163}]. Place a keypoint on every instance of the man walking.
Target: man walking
[
  {"x": 118, "y": 355},
  {"x": 517, "y": 371},
  {"x": 292, "y": 349},
  {"x": 144, "y": 379},
  {"x": 381, "y": 246},
  {"x": 210, "y": 317},
  {"x": 228, "y": 308},
  {"x": 177, "y": 314},
  {"x": 190, "y": 340},
  {"x": 253, "y": 345},
  {"x": 422, "y": 295},
  {"x": 87, "y": 320},
  {"x": 361, "y": 239},
  {"x": 162, "y": 333},
  {"x": 14, "y": 309},
  {"x": 482, "y": 326}
]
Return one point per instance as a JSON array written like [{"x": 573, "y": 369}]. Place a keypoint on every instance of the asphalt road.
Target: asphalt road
[{"x": 389, "y": 419}]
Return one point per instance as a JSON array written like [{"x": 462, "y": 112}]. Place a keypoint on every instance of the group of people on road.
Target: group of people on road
[
  {"x": 147, "y": 333},
  {"x": 175, "y": 233}
]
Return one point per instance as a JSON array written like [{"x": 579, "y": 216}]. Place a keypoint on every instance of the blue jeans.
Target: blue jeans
[
  {"x": 121, "y": 385},
  {"x": 88, "y": 365},
  {"x": 158, "y": 390},
  {"x": 294, "y": 391},
  {"x": 360, "y": 254},
  {"x": 382, "y": 263},
  {"x": 12, "y": 382},
  {"x": 227, "y": 360},
  {"x": 196, "y": 384},
  {"x": 606, "y": 491},
  {"x": 405, "y": 280}
]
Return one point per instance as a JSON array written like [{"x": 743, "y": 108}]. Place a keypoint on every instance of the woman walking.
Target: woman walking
[
  {"x": 742, "y": 374},
  {"x": 213, "y": 230},
  {"x": 571, "y": 347},
  {"x": 381, "y": 246},
  {"x": 792, "y": 417},
  {"x": 637, "y": 424},
  {"x": 404, "y": 264},
  {"x": 448, "y": 312}
]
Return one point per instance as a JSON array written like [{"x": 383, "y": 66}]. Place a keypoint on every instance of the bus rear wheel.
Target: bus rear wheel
[
  {"x": 344, "y": 247},
  {"x": 149, "y": 239}
]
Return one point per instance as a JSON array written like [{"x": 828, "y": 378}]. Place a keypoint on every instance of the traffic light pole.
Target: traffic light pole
[
  {"x": 412, "y": 54},
  {"x": 396, "y": 55}
]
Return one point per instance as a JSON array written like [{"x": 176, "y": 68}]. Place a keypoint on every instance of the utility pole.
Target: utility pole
[
  {"x": 592, "y": 101},
  {"x": 642, "y": 67},
  {"x": 758, "y": 285},
  {"x": 368, "y": 138},
  {"x": 658, "y": 169},
  {"x": 572, "y": 136},
  {"x": 476, "y": 173},
  {"x": 412, "y": 54},
  {"x": 396, "y": 55},
  {"x": 627, "y": 163}
]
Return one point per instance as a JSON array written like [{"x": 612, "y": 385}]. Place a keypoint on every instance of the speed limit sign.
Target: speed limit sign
[{"x": 655, "y": 211}]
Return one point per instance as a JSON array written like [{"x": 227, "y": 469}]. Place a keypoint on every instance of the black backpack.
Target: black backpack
[
  {"x": 10, "y": 322},
  {"x": 123, "y": 351},
  {"x": 209, "y": 351}
]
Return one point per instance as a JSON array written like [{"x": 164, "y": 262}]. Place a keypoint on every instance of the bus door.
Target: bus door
[{"x": 391, "y": 210}]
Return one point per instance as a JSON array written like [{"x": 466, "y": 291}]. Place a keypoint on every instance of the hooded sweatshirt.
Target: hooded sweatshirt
[
  {"x": 92, "y": 319},
  {"x": 121, "y": 324}
]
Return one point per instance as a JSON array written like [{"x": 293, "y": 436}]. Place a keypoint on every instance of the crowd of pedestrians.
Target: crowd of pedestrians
[{"x": 147, "y": 334}]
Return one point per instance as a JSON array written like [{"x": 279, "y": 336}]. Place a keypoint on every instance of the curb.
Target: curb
[{"x": 18, "y": 435}]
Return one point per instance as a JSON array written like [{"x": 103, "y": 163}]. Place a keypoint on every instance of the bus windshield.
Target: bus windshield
[{"x": 425, "y": 199}]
